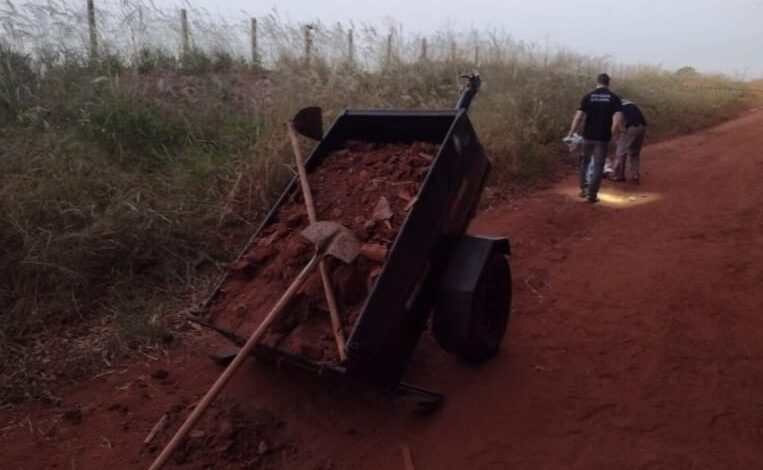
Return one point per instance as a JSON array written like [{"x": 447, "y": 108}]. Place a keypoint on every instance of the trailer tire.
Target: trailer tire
[{"x": 472, "y": 324}]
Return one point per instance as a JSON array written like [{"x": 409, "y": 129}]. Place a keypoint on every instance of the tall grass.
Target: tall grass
[{"x": 127, "y": 180}]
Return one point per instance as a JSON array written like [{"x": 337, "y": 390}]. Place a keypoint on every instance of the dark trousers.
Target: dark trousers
[{"x": 629, "y": 145}]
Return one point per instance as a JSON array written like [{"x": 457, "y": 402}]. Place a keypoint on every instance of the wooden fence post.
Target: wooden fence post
[
  {"x": 389, "y": 49},
  {"x": 350, "y": 47},
  {"x": 186, "y": 43},
  {"x": 308, "y": 44},
  {"x": 423, "y": 49},
  {"x": 255, "y": 52},
  {"x": 93, "y": 31}
]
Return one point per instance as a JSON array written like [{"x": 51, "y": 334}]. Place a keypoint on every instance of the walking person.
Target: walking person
[
  {"x": 601, "y": 111},
  {"x": 629, "y": 142}
]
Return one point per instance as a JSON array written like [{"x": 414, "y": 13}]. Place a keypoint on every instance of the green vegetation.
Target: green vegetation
[{"x": 127, "y": 181}]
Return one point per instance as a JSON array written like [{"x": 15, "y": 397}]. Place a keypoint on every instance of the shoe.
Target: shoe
[
  {"x": 583, "y": 193},
  {"x": 616, "y": 179},
  {"x": 636, "y": 180},
  {"x": 592, "y": 199}
]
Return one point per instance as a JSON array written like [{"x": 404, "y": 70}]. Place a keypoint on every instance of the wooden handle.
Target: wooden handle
[
  {"x": 407, "y": 459},
  {"x": 328, "y": 291},
  {"x": 306, "y": 193},
  {"x": 336, "y": 321},
  {"x": 245, "y": 351}
]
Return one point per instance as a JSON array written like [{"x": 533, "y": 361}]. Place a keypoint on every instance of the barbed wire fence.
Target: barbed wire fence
[
  {"x": 66, "y": 28},
  {"x": 55, "y": 30}
]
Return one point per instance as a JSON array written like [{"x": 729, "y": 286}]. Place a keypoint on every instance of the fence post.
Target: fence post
[
  {"x": 477, "y": 55},
  {"x": 423, "y": 49},
  {"x": 255, "y": 52},
  {"x": 389, "y": 49},
  {"x": 93, "y": 31},
  {"x": 308, "y": 44},
  {"x": 186, "y": 44},
  {"x": 453, "y": 51},
  {"x": 350, "y": 46}
]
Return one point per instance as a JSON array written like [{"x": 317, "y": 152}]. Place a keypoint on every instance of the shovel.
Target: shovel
[
  {"x": 330, "y": 239},
  {"x": 309, "y": 123}
]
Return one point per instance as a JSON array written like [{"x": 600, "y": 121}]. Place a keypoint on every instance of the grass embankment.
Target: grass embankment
[{"x": 125, "y": 185}]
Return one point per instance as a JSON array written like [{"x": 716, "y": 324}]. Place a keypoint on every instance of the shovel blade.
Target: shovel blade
[
  {"x": 333, "y": 239},
  {"x": 309, "y": 122}
]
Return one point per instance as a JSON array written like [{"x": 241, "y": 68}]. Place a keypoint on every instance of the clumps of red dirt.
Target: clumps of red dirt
[
  {"x": 368, "y": 188},
  {"x": 227, "y": 437}
]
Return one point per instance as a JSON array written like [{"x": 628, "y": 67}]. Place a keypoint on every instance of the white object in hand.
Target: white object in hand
[{"x": 573, "y": 141}]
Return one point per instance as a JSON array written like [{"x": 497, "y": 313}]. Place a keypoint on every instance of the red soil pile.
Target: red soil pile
[
  {"x": 228, "y": 437},
  {"x": 367, "y": 187}
]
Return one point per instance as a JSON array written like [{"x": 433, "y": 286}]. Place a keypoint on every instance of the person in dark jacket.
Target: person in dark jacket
[
  {"x": 601, "y": 110},
  {"x": 631, "y": 138}
]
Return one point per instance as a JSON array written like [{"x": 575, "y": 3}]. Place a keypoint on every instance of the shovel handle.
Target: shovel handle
[
  {"x": 328, "y": 291},
  {"x": 304, "y": 183},
  {"x": 244, "y": 353}
]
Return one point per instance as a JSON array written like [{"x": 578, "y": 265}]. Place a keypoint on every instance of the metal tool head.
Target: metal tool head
[
  {"x": 333, "y": 239},
  {"x": 309, "y": 122}
]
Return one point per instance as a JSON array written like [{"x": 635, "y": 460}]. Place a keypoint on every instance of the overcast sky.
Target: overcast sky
[{"x": 710, "y": 35}]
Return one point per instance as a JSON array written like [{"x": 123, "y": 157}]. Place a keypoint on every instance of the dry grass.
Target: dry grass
[{"x": 128, "y": 181}]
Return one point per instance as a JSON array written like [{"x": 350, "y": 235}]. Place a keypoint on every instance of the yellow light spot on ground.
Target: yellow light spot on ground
[{"x": 617, "y": 197}]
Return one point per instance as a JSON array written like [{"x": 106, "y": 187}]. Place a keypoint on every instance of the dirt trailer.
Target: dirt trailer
[{"x": 433, "y": 269}]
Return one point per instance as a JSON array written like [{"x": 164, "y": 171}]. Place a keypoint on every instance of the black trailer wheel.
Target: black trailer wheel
[
  {"x": 490, "y": 311},
  {"x": 471, "y": 316}
]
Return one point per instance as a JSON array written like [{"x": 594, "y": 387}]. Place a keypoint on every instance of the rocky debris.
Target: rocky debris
[
  {"x": 297, "y": 247},
  {"x": 311, "y": 351},
  {"x": 296, "y": 219},
  {"x": 382, "y": 210},
  {"x": 366, "y": 186},
  {"x": 374, "y": 252},
  {"x": 229, "y": 437},
  {"x": 297, "y": 310},
  {"x": 247, "y": 266},
  {"x": 350, "y": 283}
]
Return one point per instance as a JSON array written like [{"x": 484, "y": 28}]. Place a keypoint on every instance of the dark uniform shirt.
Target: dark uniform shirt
[
  {"x": 599, "y": 106},
  {"x": 633, "y": 115}
]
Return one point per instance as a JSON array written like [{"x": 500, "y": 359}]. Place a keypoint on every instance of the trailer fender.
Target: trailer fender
[{"x": 474, "y": 299}]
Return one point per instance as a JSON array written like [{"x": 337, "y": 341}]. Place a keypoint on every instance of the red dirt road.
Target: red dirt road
[{"x": 635, "y": 342}]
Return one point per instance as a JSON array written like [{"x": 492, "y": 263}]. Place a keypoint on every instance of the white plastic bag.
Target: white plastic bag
[{"x": 573, "y": 141}]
